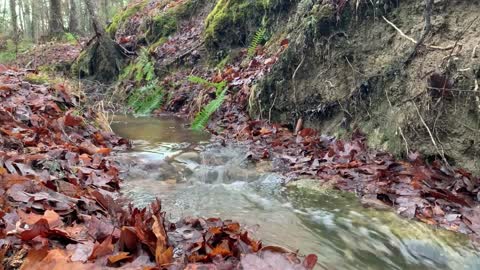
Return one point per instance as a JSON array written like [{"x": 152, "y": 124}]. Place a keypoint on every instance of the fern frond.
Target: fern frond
[
  {"x": 199, "y": 80},
  {"x": 146, "y": 99},
  {"x": 202, "y": 118},
  {"x": 149, "y": 71},
  {"x": 258, "y": 38}
]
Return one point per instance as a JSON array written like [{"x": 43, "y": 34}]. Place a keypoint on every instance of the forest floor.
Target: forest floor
[
  {"x": 61, "y": 208},
  {"x": 61, "y": 187}
]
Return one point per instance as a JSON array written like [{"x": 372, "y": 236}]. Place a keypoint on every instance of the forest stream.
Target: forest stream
[{"x": 194, "y": 177}]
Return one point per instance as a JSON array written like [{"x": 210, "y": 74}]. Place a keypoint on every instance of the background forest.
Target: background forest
[{"x": 23, "y": 22}]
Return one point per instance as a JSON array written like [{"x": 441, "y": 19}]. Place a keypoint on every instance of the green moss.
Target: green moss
[
  {"x": 165, "y": 24},
  {"x": 123, "y": 16},
  {"x": 157, "y": 44},
  {"x": 36, "y": 78},
  {"x": 162, "y": 26},
  {"x": 320, "y": 21},
  {"x": 232, "y": 23}
]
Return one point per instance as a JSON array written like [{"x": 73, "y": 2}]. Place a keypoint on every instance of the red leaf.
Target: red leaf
[{"x": 72, "y": 120}]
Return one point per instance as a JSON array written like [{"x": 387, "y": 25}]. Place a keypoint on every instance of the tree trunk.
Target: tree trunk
[
  {"x": 73, "y": 18},
  {"x": 105, "y": 10},
  {"x": 103, "y": 59},
  {"x": 56, "y": 22},
  {"x": 26, "y": 17},
  {"x": 34, "y": 29},
  {"x": 13, "y": 14},
  {"x": 97, "y": 24}
]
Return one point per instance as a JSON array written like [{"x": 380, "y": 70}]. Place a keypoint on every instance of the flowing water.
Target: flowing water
[{"x": 193, "y": 177}]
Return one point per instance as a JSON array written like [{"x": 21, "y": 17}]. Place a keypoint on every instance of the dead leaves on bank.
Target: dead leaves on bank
[
  {"x": 59, "y": 205},
  {"x": 431, "y": 193}
]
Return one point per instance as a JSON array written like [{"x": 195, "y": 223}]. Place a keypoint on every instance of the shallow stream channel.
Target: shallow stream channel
[{"x": 194, "y": 177}]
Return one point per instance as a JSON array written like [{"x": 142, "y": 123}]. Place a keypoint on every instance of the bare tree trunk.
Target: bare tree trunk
[
  {"x": 13, "y": 14},
  {"x": 4, "y": 27},
  {"x": 73, "y": 18},
  {"x": 34, "y": 29},
  {"x": 56, "y": 21},
  {"x": 97, "y": 24},
  {"x": 25, "y": 11},
  {"x": 105, "y": 10}
]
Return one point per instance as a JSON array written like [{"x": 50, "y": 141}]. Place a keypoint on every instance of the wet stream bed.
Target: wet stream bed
[{"x": 194, "y": 177}]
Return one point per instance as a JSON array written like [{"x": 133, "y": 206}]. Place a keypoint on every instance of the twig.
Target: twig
[
  {"x": 404, "y": 139},
  {"x": 460, "y": 37},
  {"x": 293, "y": 82},
  {"x": 271, "y": 107},
  {"x": 353, "y": 69},
  {"x": 413, "y": 40},
  {"x": 442, "y": 155},
  {"x": 474, "y": 52},
  {"x": 125, "y": 51},
  {"x": 388, "y": 99},
  {"x": 399, "y": 30},
  {"x": 477, "y": 98}
]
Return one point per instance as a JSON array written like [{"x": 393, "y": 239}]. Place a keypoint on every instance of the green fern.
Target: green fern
[
  {"x": 146, "y": 99},
  {"x": 143, "y": 69},
  {"x": 199, "y": 80},
  {"x": 258, "y": 38},
  {"x": 149, "y": 71},
  {"x": 201, "y": 119}
]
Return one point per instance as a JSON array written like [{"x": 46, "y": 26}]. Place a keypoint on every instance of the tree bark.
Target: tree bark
[
  {"x": 73, "y": 18},
  {"x": 13, "y": 14},
  {"x": 34, "y": 29},
  {"x": 56, "y": 21},
  {"x": 97, "y": 24}
]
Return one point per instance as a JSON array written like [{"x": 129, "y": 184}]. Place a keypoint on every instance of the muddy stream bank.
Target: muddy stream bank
[{"x": 193, "y": 177}]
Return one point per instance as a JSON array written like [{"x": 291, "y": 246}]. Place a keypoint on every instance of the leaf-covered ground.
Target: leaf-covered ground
[{"x": 60, "y": 206}]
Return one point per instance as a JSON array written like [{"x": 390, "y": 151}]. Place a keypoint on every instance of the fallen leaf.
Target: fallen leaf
[
  {"x": 119, "y": 257},
  {"x": 102, "y": 249}
]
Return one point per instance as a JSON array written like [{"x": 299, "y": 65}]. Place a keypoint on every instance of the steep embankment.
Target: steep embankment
[{"x": 350, "y": 68}]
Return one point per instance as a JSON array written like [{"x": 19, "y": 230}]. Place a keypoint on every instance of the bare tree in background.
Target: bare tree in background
[
  {"x": 55, "y": 20},
  {"x": 13, "y": 14},
  {"x": 73, "y": 18}
]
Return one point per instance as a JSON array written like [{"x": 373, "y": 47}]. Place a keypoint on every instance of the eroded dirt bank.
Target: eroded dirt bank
[{"x": 349, "y": 68}]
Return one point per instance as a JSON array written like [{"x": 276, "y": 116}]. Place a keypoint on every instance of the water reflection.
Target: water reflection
[{"x": 210, "y": 180}]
